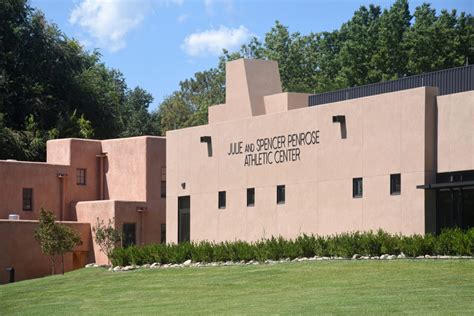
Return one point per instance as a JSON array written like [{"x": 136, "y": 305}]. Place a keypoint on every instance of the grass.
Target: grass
[{"x": 336, "y": 287}]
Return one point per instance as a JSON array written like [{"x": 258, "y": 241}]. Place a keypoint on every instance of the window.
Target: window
[
  {"x": 27, "y": 199},
  {"x": 81, "y": 176},
  {"x": 129, "y": 234},
  {"x": 395, "y": 184},
  {"x": 251, "y": 197},
  {"x": 163, "y": 189},
  {"x": 280, "y": 194},
  {"x": 222, "y": 199},
  {"x": 357, "y": 187},
  {"x": 163, "y": 233}
]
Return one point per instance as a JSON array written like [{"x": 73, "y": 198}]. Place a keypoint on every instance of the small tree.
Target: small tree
[
  {"x": 55, "y": 239},
  {"x": 107, "y": 237}
]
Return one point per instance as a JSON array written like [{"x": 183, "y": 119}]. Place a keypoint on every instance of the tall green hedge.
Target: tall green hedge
[{"x": 449, "y": 242}]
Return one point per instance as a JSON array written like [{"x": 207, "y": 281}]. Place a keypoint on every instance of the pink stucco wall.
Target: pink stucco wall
[
  {"x": 20, "y": 250},
  {"x": 132, "y": 175}
]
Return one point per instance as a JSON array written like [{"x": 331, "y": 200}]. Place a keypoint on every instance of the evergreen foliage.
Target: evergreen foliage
[
  {"x": 50, "y": 87},
  {"x": 449, "y": 242}
]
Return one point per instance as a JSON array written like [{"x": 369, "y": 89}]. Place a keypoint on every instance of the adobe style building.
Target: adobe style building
[
  {"x": 82, "y": 181},
  {"x": 397, "y": 155}
]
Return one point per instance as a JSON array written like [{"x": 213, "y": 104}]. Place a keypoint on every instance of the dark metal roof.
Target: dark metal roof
[
  {"x": 446, "y": 185},
  {"x": 448, "y": 81}
]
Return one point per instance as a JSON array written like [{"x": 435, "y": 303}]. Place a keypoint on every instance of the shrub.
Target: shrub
[{"x": 449, "y": 242}]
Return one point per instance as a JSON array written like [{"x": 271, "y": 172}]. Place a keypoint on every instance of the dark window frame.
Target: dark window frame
[
  {"x": 133, "y": 241},
  {"x": 281, "y": 194},
  {"x": 27, "y": 199},
  {"x": 163, "y": 189},
  {"x": 250, "y": 197},
  {"x": 395, "y": 184},
  {"x": 163, "y": 233},
  {"x": 81, "y": 176},
  {"x": 222, "y": 200},
  {"x": 357, "y": 191}
]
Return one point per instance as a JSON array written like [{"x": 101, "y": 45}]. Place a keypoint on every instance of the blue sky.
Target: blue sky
[{"x": 158, "y": 43}]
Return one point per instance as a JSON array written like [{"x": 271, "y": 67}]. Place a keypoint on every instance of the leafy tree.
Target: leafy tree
[
  {"x": 107, "y": 237},
  {"x": 55, "y": 239}
]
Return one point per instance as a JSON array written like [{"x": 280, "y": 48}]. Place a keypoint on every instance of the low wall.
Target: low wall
[{"x": 20, "y": 250}]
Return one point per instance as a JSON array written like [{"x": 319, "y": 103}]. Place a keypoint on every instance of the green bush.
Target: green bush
[{"x": 449, "y": 242}]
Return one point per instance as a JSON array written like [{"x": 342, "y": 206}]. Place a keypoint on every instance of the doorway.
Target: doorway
[
  {"x": 184, "y": 219},
  {"x": 455, "y": 208}
]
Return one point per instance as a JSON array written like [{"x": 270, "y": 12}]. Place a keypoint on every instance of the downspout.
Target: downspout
[
  {"x": 101, "y": 157},
  {"x": 141, "y": 211},
  {"x": 62, "y": 177}
]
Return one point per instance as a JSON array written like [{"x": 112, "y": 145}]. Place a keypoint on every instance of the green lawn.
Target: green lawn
[{"x": 340, "y": 287}]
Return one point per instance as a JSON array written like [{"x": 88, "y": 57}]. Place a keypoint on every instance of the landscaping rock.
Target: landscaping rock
[
  {"x": 128, "y": 268},
  {"x": 420, "y": 257},
  {"x": 365, "y": 257},
  {"x": 391, "y": 257},
  {"x": 401, "y": 256},
  {"x": 187, "y": 263},
  {"x": 154, "y": 265},
  {"x": 145, "y": 266},
  {"x": 90, "y": 265},
  {"x": 117, "y": 268},
  {"x": 356, "y": 256}
]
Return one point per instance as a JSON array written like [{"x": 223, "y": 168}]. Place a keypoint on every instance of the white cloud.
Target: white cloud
[
  {"x": 107, "y": 22},
  {"x": 213, "y": 41},
  {"x": 182, "y": 18}
]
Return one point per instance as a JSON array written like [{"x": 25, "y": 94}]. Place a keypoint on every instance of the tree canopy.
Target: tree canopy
[
  {"x": 50, "y": 87},
  {"x": 374, "y": 45}
]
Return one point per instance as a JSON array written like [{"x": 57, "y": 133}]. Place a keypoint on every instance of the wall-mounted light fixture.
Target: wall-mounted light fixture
[
  {"x": 208, "y": 140},
  {"x": 341, "y": 119},
  {"x": 183, "y": 185}
]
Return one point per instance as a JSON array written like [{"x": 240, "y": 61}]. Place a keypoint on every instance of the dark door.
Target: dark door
[
  {"x": 455, "y": 208},
  {"x": 129, "y": 234},
  {"x": 184, "y": 208}
]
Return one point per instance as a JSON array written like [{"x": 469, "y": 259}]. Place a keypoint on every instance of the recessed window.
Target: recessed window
[
  {"x": 250, "y": 196},
  {"x": 357, "y": 187},
  {"x": 163, "y": 189},
  {"x": 280, "y": 194},
  {"x": 81, "y": 176},
  {"x": 27, "y": 199},
  {"x": 129, "y": 234},
  {"x": 163, "y": 233},
  {"x": 395, "y": 184},
  {"x": 222, "y": 199}
]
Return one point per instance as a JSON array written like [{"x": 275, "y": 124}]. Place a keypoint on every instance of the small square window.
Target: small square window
[
  {"x": 280, "y": 194},
  {"x": 395, "y": 184},
  {"x": 81, "y": 176},
  {"x": 222, "y": 199},
  {"x": 163, "y": 189},
  {"x": 251, "y": 197},
  {"x": 27, "y": 199},
  {"x": 357, "y": 187}
]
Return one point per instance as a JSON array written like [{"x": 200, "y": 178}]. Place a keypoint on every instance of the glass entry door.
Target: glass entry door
[
  {"x": 184, "y": 217},
  {"x": 455, "y": 208}
]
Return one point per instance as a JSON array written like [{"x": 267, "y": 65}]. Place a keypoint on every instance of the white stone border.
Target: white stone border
[{"x": 189, "y": 263}]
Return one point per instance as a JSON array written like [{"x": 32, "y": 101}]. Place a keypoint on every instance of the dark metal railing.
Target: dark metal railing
[{"x": 448, "y": 81}]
